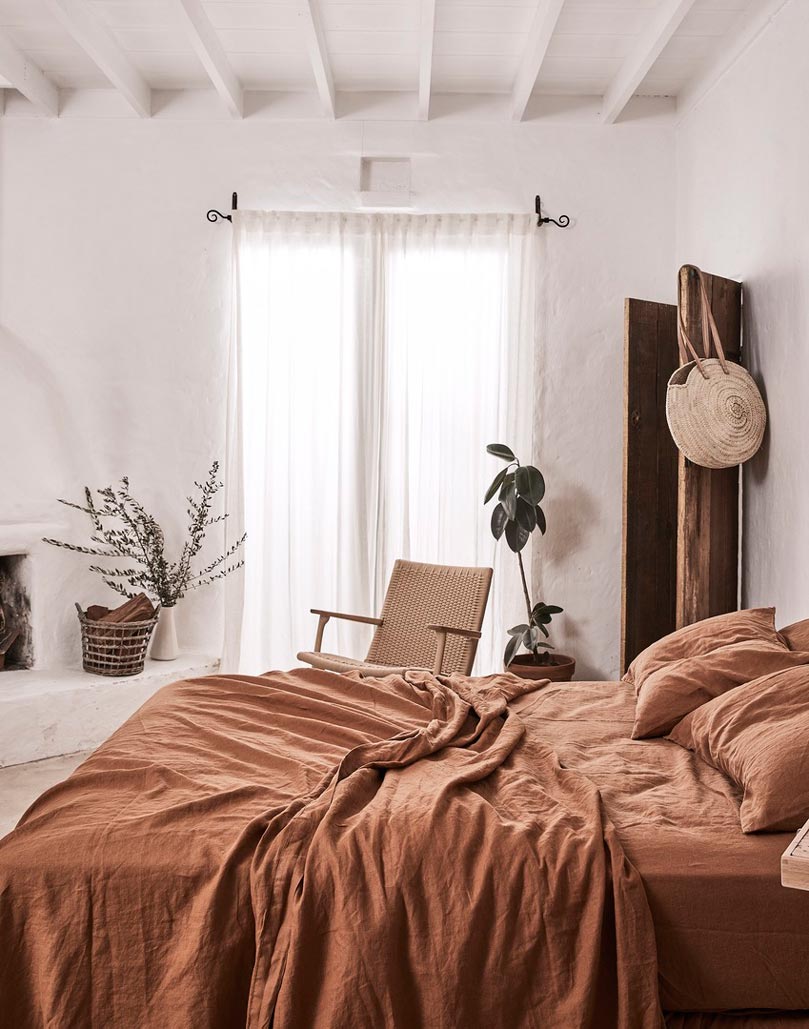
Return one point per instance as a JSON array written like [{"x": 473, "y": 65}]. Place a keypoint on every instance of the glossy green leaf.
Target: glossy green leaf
[
  {"x": 497, "y": 482},
  {"x": 530, "y": 484},
  {"x": 511, "y": 649},
  {"x": 508, "y": 498},
  {"x": 515, "y": 630},
  {"x": 516, "y": 536},
  {"x": 521, "y": 476},
  {"x": 526, "y": 515},
  {"x": 542, "y": 525},
  {"x": 499, "y": 519},
  {"x": 501, "y": 450}
]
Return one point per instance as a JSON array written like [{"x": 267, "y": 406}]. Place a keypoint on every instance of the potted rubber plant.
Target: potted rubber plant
[{"x": 517, "y": 515}]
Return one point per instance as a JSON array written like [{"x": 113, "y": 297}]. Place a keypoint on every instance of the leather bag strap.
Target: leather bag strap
[{"x": 710, "y": 332}]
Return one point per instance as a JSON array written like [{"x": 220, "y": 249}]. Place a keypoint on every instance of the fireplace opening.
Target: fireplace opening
[{"x": 16, "y": 638}]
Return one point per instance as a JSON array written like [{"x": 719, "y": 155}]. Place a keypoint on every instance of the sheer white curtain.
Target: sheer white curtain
[{"x": 374, "y": 358}]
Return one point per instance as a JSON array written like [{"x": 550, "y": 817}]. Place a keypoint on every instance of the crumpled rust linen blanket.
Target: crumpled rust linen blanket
[
  {"x": 436, "y": 879},
  {"x": 309, "y": 850}
]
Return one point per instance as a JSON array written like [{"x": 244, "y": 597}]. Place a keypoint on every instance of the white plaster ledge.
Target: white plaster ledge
[
  {"x": 22, "y": 537},
  {"x": 45, "y": 713}
]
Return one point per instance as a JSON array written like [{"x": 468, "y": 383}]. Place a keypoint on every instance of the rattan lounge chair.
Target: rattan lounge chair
[{"x": 431, "y": 619}]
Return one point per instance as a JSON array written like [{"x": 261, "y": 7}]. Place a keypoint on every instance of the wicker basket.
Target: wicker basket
[{"x": 115, "y": 648}]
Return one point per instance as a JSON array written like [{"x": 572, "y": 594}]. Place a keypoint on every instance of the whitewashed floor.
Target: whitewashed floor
[{"x": 20, "y": 785}]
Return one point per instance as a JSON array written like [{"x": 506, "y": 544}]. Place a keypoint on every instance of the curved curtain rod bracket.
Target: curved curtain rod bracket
[
  {"x": 562, "y": 222},
  {"x": 213, "y": 215}
]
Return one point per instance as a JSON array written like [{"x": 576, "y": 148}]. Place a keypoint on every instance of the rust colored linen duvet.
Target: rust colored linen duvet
[{"x": 307, "y": 849}]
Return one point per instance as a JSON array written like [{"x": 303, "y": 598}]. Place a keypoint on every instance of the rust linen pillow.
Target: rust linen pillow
[
  {"x": 668, "y": 694},
  {"x": 796, "y": 635},
  {"x": 702, "y": 638},
  {"x": 758, "y": 735}
]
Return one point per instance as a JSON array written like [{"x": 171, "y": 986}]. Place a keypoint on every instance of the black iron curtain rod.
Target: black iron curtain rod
[
  {"x": 563, "y": 221},
  {"x": 213, "y": 215}
]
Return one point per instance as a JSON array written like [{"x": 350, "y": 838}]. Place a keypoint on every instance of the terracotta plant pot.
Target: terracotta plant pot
[{"x": 561, "y": 670}]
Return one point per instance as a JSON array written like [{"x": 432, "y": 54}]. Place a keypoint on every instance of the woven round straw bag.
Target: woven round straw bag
[{"x": 713, "y": 406}]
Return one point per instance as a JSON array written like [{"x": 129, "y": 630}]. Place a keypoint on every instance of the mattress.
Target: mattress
[{"x": 729, "y": 936}]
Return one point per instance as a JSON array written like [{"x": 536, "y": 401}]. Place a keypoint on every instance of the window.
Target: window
[{"x": 379, "y": 355}]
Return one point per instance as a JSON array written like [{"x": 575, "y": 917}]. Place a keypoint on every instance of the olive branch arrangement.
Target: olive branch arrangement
[{"x": 122, "y": 528}]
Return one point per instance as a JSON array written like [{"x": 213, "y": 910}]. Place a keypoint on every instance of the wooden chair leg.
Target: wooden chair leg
[{"x": 321, "y": 625}]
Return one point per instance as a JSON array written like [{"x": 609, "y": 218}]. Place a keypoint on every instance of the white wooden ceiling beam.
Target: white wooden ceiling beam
[
  {"x": 426, "y": 37},
  {"x": 664, "y": 23},
  {"x": 101, "y": 47},
  {"x": 309, "y": 20},
  {"x": 208, "y": 48},
  {"x": 545, "y": 18},
  {"x": 27, "y": 77}
]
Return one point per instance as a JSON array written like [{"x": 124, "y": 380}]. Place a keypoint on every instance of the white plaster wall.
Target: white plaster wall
[
  {"x": 114, "y": 310},
  {"x": 743, "y": 168}
]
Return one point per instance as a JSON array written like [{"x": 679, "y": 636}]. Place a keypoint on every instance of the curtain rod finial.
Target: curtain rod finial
[{"x": 563, "y": 221}]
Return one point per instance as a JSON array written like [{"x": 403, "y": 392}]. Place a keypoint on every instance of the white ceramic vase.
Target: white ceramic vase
[{"x": 164, "y": 640}]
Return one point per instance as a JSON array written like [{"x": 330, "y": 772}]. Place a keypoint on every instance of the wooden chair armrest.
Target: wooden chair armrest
[
  {"x": 442, "y": 631},
  {"x": 367, "y": 619},
  {"x": 452, "y": 630},
  {"x": 324, "y": 616}
]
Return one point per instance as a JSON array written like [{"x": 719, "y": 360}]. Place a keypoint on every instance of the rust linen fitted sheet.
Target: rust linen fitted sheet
[
  {"x": 729, "y": 936},
  {"x": 306, "y": 850}
]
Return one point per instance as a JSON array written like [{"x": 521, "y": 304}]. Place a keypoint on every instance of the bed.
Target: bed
[{"x": 307, "y": 849}]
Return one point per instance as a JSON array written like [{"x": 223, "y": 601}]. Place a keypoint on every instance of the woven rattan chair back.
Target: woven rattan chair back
[{"x": 419, "y": 595}]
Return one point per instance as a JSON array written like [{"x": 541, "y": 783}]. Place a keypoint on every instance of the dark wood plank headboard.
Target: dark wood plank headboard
[
  {"x": 648, "y": 608},
  {"x": 680, "y": 521}
]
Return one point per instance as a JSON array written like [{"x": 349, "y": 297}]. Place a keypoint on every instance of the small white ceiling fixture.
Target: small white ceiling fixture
[{"x": 385, "y": 183}]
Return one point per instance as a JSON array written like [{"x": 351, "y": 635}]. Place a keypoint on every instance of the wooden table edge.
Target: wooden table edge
[{"x": 795, "y": 867}]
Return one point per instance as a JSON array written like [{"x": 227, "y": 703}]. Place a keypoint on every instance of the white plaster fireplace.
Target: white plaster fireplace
[{"x": 54, "y": 707}]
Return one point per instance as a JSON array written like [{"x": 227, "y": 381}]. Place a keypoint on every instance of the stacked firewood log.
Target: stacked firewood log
[{"x": 136, "y": 609}]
